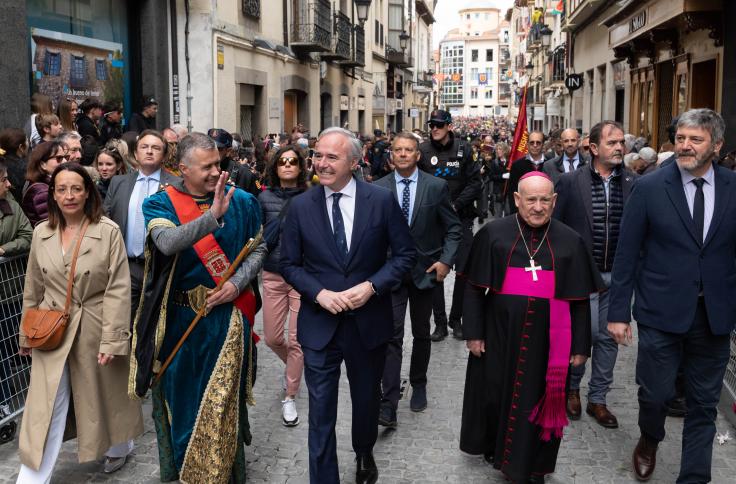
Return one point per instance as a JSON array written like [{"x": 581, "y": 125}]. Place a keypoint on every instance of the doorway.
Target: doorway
[
  {"x": 704, "y": 84},
  {"x": 325, "y": 110}
]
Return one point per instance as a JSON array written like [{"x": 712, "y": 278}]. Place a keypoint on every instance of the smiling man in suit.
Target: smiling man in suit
[
  {"x": 124, "y": 203},
  {"x": 334, "y": 248},
  {"x": 437, "y": 232},
  {"x": 676, "y": 254}
]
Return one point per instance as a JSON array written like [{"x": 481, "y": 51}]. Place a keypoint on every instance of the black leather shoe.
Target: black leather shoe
[
  {"x": 488, "y": 458},
  {"x": 440, "y": 333},
  {"x": 366, "y": 471},
  {"x": 457, "y": 333},
  {"x": 418, "y": 402},
  {"x": 387, "y": 415}
]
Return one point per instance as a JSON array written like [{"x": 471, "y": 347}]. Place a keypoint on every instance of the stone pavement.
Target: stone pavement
[{"x": 424, "y": 448}]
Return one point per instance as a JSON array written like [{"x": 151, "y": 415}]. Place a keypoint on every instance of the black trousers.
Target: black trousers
[
  {"x": 704, "y": 357},
  {"x": 420, "y": 310},
  {"x": 136, "y": 267},
  {"x": 463, "y": 251}
]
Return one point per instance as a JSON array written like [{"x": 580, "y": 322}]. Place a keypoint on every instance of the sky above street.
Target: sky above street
[{"x": 446, "y": 14}]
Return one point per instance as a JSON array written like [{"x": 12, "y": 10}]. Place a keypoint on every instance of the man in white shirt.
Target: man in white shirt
[{"x": 570, "y": 159}]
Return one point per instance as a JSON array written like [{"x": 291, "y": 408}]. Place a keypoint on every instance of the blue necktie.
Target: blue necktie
[
  {"x": 406, "y": 198},
  {"x": 339, "y": 227}
]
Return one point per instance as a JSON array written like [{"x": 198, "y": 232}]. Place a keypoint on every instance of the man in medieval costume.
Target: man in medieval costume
[
  {"x": 527, "y": 318},
  {"x": 196, "y": 228}
]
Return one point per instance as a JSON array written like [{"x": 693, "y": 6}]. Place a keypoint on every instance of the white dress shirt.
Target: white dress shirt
[
  {"x": 567, "y": 162},
  {"x": 347, "y": 207},
  {"x": 709, "y": 194}
]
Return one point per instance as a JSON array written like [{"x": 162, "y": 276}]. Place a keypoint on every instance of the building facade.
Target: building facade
[{"x": 470, "y": 69}]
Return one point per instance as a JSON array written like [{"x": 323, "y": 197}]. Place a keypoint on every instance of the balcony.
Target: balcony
[
  {"x": 398, "y": 58},
  {"x": 357, "y": 59},
  {"x": 311, "y": 30},
  {"x": 342, "y": 32}
]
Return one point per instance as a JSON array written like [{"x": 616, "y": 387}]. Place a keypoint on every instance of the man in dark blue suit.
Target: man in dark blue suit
[
  {"x": 333, "y": 252},
  {"x": 677, "y": 252}
]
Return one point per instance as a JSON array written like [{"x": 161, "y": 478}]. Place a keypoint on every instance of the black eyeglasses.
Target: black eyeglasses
[{"x": 433, "y": 125}]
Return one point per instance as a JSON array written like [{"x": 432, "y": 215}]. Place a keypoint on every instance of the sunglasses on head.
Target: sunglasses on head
[
  {"x": 433, "y": 124},
  {"x": 291, "y": 161}
]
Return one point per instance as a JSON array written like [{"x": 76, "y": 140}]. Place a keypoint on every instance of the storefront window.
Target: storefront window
[{"x": 79, "y": 49}]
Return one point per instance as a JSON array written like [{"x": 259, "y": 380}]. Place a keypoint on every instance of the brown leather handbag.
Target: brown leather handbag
[{"x": 44, "y": 328}]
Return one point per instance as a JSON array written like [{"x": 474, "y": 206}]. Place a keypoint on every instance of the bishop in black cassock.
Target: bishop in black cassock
[{"x": 526, "y": 319}]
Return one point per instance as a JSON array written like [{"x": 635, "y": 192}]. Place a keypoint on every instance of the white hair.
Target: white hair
[
  {"x": 648, "y": 154},
  {"x": 356, "y": 147},
  {"x": 180, "y": 130},
  {"x": 629, "y": 160}
]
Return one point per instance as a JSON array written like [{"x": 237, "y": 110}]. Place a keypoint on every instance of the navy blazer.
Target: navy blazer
[
  {"x": 660, "y": 257},
  {"x": 310, "y": 262}
]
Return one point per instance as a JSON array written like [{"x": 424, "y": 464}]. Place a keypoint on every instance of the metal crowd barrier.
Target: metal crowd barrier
[
  {"x": 729, "y": 382},
  {"x": 15, "y": 370}
]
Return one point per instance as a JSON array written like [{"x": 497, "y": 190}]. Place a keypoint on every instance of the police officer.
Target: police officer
[{"x": 446, "y": 156}]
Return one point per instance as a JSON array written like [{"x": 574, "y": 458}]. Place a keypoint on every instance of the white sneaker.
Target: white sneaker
[{"x": 288, "y": 413}]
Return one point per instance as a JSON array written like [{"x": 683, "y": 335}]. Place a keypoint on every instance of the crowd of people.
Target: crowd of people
[{"x": 161, "y": 246}]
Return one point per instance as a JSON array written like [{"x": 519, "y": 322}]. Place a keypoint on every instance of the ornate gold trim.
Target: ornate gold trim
[{"x": 213, "y": 444}]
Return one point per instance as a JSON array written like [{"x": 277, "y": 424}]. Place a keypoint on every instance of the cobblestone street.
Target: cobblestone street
[{"x": 424, "y": 448}]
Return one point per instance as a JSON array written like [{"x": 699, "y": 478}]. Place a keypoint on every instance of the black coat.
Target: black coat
[
  {"x": 272, "y": 202},
  {"x": 574, "y": 205}
]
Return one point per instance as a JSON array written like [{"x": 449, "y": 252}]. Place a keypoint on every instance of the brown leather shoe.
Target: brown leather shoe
[
  {"x": 602, "y": 415},
  {"x": 644, "y": 458},
  {"x": 574, "y": 408}
]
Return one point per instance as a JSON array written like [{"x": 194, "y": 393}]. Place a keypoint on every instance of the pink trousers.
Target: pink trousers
[{"x": 279, "y": 301}]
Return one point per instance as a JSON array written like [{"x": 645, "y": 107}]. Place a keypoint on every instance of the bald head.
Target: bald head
[
  {"x": 535, "y": 200},
  {"x": 570, "y": 139},
  {"x": 541, "y": 184}
]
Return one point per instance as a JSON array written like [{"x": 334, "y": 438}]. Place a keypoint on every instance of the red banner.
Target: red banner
[{"x": 521, "y": 135}]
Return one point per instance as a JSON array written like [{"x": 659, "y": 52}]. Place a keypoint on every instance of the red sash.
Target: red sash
[{"x": 210, "y": 252}]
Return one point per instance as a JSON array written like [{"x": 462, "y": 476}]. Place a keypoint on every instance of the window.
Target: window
[
  {"x": 78, "y": 72},
  {"x": 489, "y": 55},
  {"x": 467, "y": 16},
  {"x": 474, "y": 74},
  {"x": 473, "y": 93},
  {"x": 52, "y": 64},
  {"x": 488, "y": 16},
  {"x": 377, "y": 32},
  {"x": 381, "y": 35},
  {"x": 474, "y": 55},
  {"x": 477, "y": 15},
  {"x": 101, "y": 69},
  {"x": 489, "y": 94}
]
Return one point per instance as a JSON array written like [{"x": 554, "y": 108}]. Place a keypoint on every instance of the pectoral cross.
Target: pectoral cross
[{"x": 534, "y": 268}]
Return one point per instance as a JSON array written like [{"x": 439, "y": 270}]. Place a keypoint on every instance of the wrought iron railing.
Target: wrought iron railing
[
  {"x": 311, "y": 29},
  {"x": 398, "y": 57}
]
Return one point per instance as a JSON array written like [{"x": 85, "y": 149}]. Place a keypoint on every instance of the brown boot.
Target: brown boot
[
  {"x": 574, "y": 408},
  {"x": 644, "y": 458},
  {"x": 602, "y": 415}
]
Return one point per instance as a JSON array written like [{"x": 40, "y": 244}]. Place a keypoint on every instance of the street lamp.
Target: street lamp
[
  {"x": 362, "y": 7},
  {"x": 546, "y": 34},
  {"x": 403, "y": 40}
]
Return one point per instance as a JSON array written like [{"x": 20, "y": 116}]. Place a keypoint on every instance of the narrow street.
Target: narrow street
[{"x": 424, "y": 448}]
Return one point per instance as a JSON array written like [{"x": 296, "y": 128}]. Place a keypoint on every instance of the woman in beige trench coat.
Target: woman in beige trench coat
[{"x": 88, "y": 373}]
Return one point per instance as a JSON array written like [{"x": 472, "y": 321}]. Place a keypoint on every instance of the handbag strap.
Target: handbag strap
[{"x": 70, "y": 283}]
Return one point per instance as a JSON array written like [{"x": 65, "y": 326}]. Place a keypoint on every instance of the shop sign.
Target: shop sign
[
  {"x": 344, "y": 103},
  {"x": 274, "y": 108},
  {"x": 399, "y": 104},
  {"x": 539, "y": 113},
  {"x": 413, "y": 113},
  {"x": 220, "y": 56},
  {"x": 638, "y": 21},
  {"x": 574, "y": 81},
  {"x": 553, "y": 106}
]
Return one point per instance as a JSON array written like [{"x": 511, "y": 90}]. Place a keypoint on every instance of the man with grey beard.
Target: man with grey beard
[{"x": 676, "y": 252}]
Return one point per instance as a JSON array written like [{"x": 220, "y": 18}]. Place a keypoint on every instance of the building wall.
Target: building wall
[{"x": 14, "y": 69}]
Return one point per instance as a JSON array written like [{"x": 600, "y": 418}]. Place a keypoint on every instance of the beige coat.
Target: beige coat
[{"x": 100, "y": 412}]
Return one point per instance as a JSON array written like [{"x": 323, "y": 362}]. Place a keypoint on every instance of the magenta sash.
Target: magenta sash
[{"x": 549, "y": 413}]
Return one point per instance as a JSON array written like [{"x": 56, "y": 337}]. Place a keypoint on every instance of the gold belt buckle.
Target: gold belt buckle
[{"x": 198, "y": 298}]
